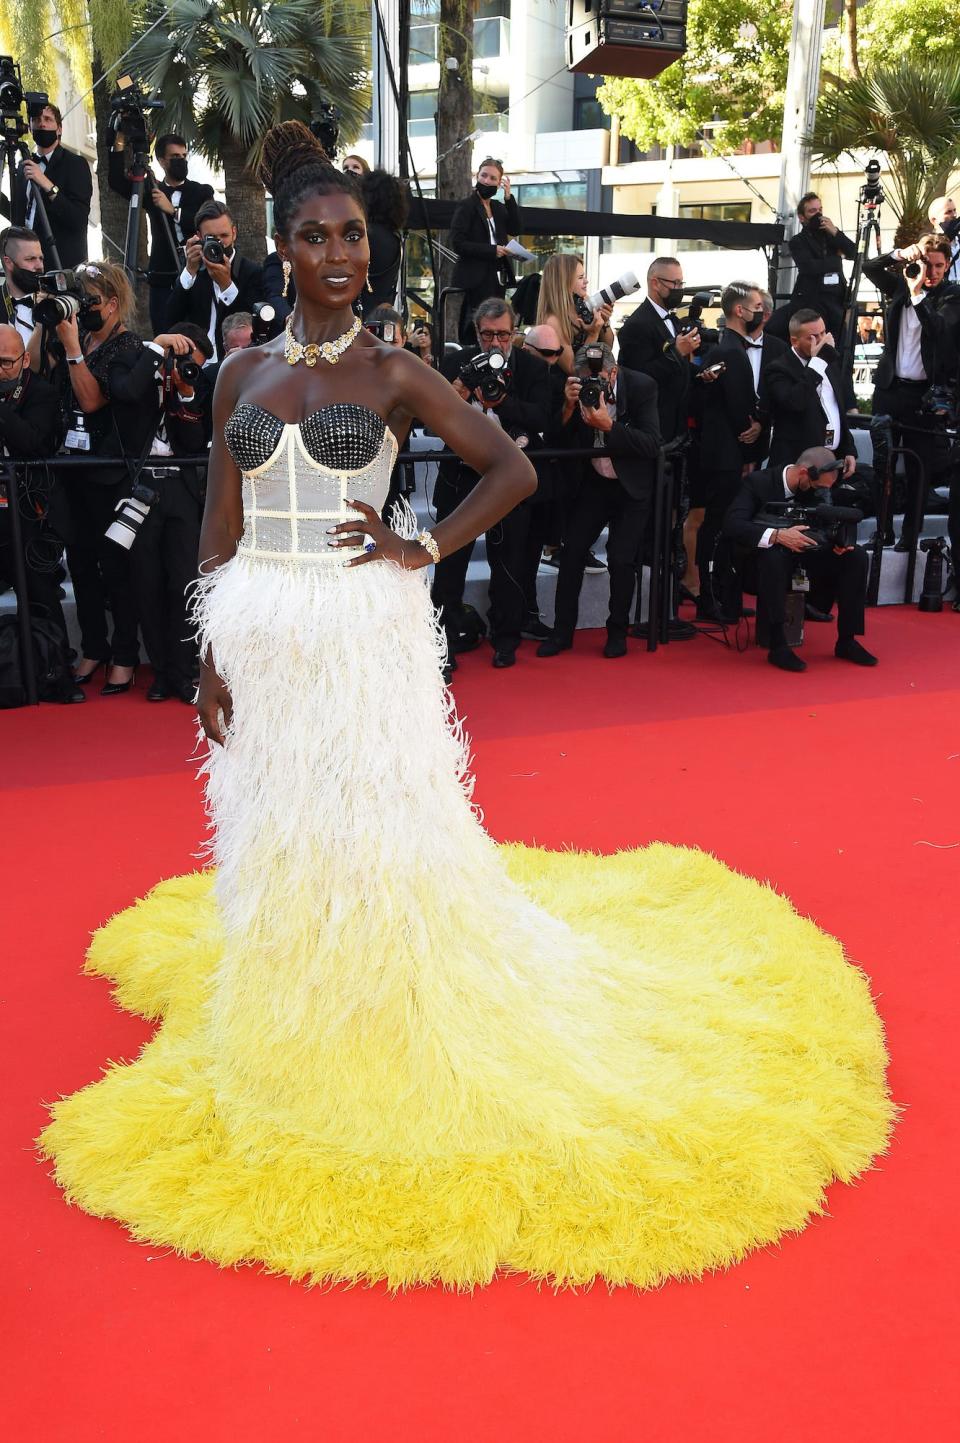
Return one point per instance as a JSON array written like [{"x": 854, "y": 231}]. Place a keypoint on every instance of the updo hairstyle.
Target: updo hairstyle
[{"x": 293, "y": 166}]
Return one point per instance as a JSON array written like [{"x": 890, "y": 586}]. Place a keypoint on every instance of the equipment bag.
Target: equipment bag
[{"x": 49, "y": 658}]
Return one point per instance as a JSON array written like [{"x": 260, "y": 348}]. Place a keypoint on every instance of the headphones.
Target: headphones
[{"x": 814, "y": 472}]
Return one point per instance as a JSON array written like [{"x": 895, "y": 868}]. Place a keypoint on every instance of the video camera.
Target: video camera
[
  {"x": 488, "y": 373},
  {"x": 12, "y": 99},
  {"x": 829, "y": 526},
  {"x": 690, "y": 320},
  {"x": 592, "y": 389},
  {"x": 128, "y": 109},
  {"x": 325, "y": 125}
]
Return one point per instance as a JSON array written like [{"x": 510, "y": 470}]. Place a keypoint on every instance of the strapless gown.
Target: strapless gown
[{"x": 391, "y": 1049}]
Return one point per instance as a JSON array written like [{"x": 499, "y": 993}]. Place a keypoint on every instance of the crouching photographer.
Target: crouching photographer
[
  {"x": 112, "y": 415},
  {"x": 162, "y": 510},
  {"x": 513, "y": 390},
  {"x": 783, "y": 522},
  {"x": 30, "y": 431}
]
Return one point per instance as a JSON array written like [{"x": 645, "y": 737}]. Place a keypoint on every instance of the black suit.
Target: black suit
[
  {"x": 624, "y": 503},
  {"x": 164, "y": 265},
  {"x": 797, "y": 417},
  {"x": 939, "y": 316},
  {"x": 818, "y": 255},
  {"x": 730, "y": 404},
  {"x": 30, "y": 430},
  {"x": 479, "y": 270},
  {"x": 194, "y": 304},
  {"x": 68, "y": 212},
  {"x": 526, "y": 410},
  {"x": 647, "y": 345},
  {"x": 767, "y": 570}
]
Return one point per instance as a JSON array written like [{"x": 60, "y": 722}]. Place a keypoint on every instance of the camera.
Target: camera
[
  {"x": 938, "y": 555},
  {"x": 266, "y": 324},
  {"x": 188, "y": 371},
  {"x": 827, "y": 525},
  {"x": 939, "y": 402},
  {"x": 487, "y": 373},
  {"x": 871, "y": 192},
  {"x": 592, "y": 389},
  {"x": 325, "y": 125},
  {"x": 213, "y": 250},
  {"x": 384, "y": 331},
  {"x": 132, "y": 512},
  {"x": 61, "y": 297},
  {"x": 816, "y": 221},
  {"x": 624, "y": 285},
  {"x": 691, "y": 320}
]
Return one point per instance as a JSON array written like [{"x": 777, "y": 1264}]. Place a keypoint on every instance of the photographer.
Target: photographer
[
  {"x": 513, "y": 390},
  {"x": 30, "y": 431},
  {"x": 944, "y": 222},
  {"x": 22, "y": 256},
  {"x": 615, "y": 410},
  {"x": 387, "y": 203},
  {"x": 654, "y": 342},
  {"x": 237, "y": 332},
  {"x": 479, "y": 231},
  {"x": 562, "y": 304},
  {"x": 804, "y": 391},
  {"x": 920, "y": 353},
  {"x": 113, "y": 415},
  {"x": 168, "y": 540},
  {"x": 818, "y": 250},
  {"x": 171, "y": 205},
  {"x": 770, "y": 554},
  {"x": 216, "y": 281},
  {"x": 64, "y": 182}
]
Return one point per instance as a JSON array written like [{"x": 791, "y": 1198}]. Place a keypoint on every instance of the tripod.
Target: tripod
[
  {"x": 13, "y": 131},
  {"x": 868, "y": 224}
]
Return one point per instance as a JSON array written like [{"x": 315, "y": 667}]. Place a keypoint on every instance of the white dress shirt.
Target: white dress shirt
[
  {"x": 667, "y": 317},
  {"x": 754, "y": 350},
  {"x": 41, "y": 160},
  {"x": 909, "y": 359},
  {"x": 828, "y": 400},
  {"x": 227, "y": 297},
  {"x": 21, "y": 315},
  {"x": 767, "y": 538}
]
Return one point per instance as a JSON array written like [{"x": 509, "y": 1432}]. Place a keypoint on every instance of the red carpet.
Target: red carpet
[{"x": 841, "y": 786}]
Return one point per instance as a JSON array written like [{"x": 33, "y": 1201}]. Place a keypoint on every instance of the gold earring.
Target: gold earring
[
  {"x": 369, "y": 286},
  {"x": 287, "y": 270}
]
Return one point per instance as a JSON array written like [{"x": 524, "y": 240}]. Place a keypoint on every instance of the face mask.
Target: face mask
[
  {"x": 673, "y": 298},
  {"x": 177, "y": 168},
  {"x": 486, "y": 191},
  {"x": 753, "y": 322},
  {"x": 8, "y": 384},
  {"x": 44, "y": 138},
  {"x": 26, "y": 281},
  {"x": 89, "y": 318}
]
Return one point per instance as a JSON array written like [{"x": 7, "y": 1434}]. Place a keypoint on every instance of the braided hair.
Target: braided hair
[{"x": 295, "y": 165}]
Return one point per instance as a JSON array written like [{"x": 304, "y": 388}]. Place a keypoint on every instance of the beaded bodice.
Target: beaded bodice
[{"x": 298, "y": 477}]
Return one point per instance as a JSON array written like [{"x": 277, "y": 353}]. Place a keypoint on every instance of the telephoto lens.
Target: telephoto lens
[
  {"x": 624, "y": 285},
  {"x": 51, "y": 310},
  {"x": 131, "y": 513}
]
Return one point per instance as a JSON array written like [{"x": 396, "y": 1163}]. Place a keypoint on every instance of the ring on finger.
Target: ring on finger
[{"x": 370, "y": 546}]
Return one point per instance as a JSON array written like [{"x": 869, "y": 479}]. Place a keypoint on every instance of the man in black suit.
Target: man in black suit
[
  {"x": 479, "y": 231},
  {"x": 804, "y": 394},
  {"x": 617, "y": 492},
  {"x": 942, "y": 214},
  {"x": 171, "y": 205},
  {"x": 770, "y": 555},
  {"x": 30, "y": 430},
  {"x": 920, "y": 350},
  {"x": 207, "y": 290},
  {"x": 22, "y": 257},
  {"x": 64, "y": 182},
  {"x": 818, "y": 250},
  {"x": 734, "y": 427},
  {"x": 653, "y": 342},
  {"x": 522, "y": 410}
]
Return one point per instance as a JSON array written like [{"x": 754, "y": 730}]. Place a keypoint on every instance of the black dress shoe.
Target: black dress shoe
[
  {"x": 553, "y": 646},
  {"x": 687, "y": 595},
  {"x": 116, "y": 688},
  {"x": 533, "y": 629},
  {"x": 813, "y": 613},
  {"x": 71, "y": 694},
  {"x": 158, "y": 690},
  {"x": 849, "y": 649},
  {"x": 785, "y": 658},
  {"x": 503, "y": 659},
  {"x": 615, "y": 646}
]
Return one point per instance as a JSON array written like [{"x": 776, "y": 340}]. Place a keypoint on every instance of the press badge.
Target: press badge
[
  {"x": 78, "y": 437},
  {"x": 832, "y": 279}
]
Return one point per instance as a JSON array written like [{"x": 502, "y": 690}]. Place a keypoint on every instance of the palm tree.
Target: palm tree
[
  {"x": 911, "y": 112},
  {"x": 229, "y": 69}
]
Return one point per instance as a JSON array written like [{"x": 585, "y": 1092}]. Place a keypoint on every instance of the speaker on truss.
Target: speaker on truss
[{"x": 625, "y": 37}]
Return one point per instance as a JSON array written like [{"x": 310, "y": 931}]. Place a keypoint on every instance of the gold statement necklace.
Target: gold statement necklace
[{"x": 330, "y": 351}]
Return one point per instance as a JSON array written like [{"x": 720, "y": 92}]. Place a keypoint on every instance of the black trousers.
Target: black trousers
[
  {"x": 513, "y": 553},
  {"x": 767, "y": 571},
  {"x": 491, "y": 285},
  {"x": 602, "y": 501},
  {"x": 720, "y": 489},
  {"x": 902, "y": 402},
  {"x": 159, "y": 305},
  {"x": 101, "y": 572},
  {"x": 164, "y": 559}
]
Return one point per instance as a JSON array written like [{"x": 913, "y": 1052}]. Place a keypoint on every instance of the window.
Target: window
[
  {"x": 588, "y": 114},
  {"x": 728, "y": 210}
]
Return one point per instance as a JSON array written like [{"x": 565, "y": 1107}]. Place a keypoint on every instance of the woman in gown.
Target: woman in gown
[{"x": 391, "y": 1049}]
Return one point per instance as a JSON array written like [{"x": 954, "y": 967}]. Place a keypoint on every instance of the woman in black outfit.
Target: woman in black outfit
[
  {"x": 479, "y": 231},
  {"x": 115, "y": 407},
  {"x": 387, "y": 201}
]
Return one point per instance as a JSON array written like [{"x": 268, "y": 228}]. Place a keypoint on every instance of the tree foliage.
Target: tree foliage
[
  {"x": 32, "y": 30},
  {"x": 734, "y": 70}
]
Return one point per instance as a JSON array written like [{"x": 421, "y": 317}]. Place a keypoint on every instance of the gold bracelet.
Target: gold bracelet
[{"x": 428, "y": 542}]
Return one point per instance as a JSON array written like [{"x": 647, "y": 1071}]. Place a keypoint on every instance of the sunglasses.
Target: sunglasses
[{"x": 542, "y": 351}]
